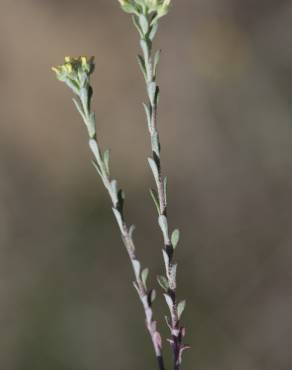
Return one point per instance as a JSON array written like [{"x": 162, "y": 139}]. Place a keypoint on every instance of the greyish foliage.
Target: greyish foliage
[{"x": 75, "y": 73}]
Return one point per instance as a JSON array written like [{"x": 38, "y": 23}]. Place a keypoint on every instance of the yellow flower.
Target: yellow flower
[
  {"x": 136, "y": 6},
  {"x": 73, "y": 66},
  {"x": 75, "y": 72}
]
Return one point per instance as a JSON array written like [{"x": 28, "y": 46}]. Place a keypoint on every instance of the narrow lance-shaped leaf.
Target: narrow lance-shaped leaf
[
  {"x": 154, "y": 169},
  {"x": 175, "y": 238},
  {"x": 144, "y": 276},
  {"x": 163, "y": 282},
  {"x": 143, "y": 22},
  {"x": 114, "y": 192},
  {"x": 79, "y": 108},
  {"x": 145, "y": 49},
  {"x": 168, "y": 301},
  {"x": 148, "y": 115},
  {"x": 119, "y": 219},
  {"x": 131, "y": 231},
  {"x": 91, "y": 125},
  {"x": 153, "y": 31},
  {"x": 162, "y": 220},
  {"x": 151, "y": 296},
  {"x": 136, "y": 24},
  {"x": 106, "y": 157},
  {"x": 95, "y": 149},
  {"x": 137, "y": 268},
  {"x": 180, "y": 308},
  {"x": 129, "y": 8},
  {"x": 96, "y": 166},
  {"x": 155, "y": 62},
  {"x": 152, "y": 91},
  {"x": 155, "y": 143},
  {"x": 154, "y": 196},
  {"x": 141, "y": 63}
]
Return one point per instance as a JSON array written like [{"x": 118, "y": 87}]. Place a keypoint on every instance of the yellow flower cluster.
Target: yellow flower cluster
[
  {"x": 151, "y": 5},
  {"x": 75, "y": 72},
  {"x": 74, "y": 66}
]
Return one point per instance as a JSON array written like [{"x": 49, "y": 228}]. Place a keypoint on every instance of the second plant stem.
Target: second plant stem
[{"x": 147, "y": 27}]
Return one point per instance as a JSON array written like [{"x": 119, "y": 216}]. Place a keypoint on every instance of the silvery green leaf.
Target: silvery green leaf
[
  {"x": 128, "y": 8},
  {"x": 162, "y": 220},
  {"x": 83, "y": 94},
  {"x": 79, "y": 108},
  {"x": 95, "y": 149},
  {"x": 180, "y": 308},
  {"x": 91, "y": 125},
  {"x": 97, "y": 168},
  {"x": 137, "y": 268},
  {"x": 145, "y": 48},
  {"x": 136, "y": 24},
  {"x": 83, "y": 78},
  {"x": 143, "y": 23},
  {"x": 155, "y": 143},
  {"x": 152, "y": 90},
  {"x": 168, "y": 323},
  {"x": 163, "y": 282},
  {"x": 168, "y": 301},
  {"x": 141, "y": 63},
  {"x": 144, "y": 276},
  {"x": 162, "y": 11},
  {"x": 131, "y": 231},
  {"x": 148, "y": 115},
  {"x": 72, "y": 84},
  {"x": 154, "y": 169},
  {"x": 154, "y": 28},
  {"x": 154, "y": 196},
  {"x": 136, "y": 287},
  {"x": 152, "y": 296},
  {"x": 106, "y": 157},
  {"x": 156, "y": 61},
  {"x": 175, "y": 238},
  {"x": 119, "y": 219},
  {"x": 114, "y": 191}
]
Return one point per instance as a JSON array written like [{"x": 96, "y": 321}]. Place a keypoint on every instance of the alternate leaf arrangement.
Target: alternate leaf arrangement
[{"x": 75, "y": 73}]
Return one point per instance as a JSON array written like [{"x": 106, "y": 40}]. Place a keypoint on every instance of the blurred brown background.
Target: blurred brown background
[{"x": 66, "y": 300}]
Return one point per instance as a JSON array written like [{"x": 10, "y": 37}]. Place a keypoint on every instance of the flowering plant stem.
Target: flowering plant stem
[
  {"x": 147, "y": 25},
  {"x": 75, "y": 73},
  {"x": 117, "y": 198}
]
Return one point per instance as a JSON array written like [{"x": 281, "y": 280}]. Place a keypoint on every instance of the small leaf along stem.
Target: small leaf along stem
[{"x": 147, "y": 26}]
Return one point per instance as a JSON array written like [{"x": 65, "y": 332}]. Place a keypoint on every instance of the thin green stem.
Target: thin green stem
[
  {"x": 148, "y": 64},
  {"x": 101, "y": 163}
]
